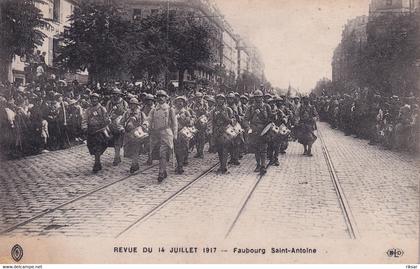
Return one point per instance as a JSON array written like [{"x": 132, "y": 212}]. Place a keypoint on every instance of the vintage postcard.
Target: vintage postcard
[{"x": 209, "y": 131}]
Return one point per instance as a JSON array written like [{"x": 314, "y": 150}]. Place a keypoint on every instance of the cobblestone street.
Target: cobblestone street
[{"x": 295, "y": 200}]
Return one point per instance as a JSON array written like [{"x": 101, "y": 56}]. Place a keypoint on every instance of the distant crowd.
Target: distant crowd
[{"x": 392, "y": 122}]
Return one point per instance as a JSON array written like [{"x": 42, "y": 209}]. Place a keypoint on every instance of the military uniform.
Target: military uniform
[
  {"x": 306, "y": 127},
  {"x": 220, "y": 118},
  {"x": 163, "y": 131},
  {"x": 98, "y": 135},
  {"x": 116, "y": 109},
  {"x": 133, "y": 119},
  {"x": 200, "y": 108},
  {"x": 257, "y": 118},
  {"x": 181, "y": 144},
  {"x": 237, "y": 141}
]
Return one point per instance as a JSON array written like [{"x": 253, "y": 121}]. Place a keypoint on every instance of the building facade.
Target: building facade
[
  {"x": 57, "y": 12},
  {"x": 355, "y": 32},
  {"x": 378, "y": 7},
  {"x": 229, "y": 50}
]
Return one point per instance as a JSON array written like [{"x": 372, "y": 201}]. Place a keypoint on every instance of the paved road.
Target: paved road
[{"x": 295, "y": 200}]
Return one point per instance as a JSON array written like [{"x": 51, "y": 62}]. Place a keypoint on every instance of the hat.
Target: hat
[
  {"x": 210, "y": 99},
  {"x": 72, "y": 102},
  {"x": 244, "y": 97},
  {"x": 161, "y": 93},
  {"x": 94, "y": 95},
  {"x": 220, "y": 96},
  {"x": 117, "y": 91},
  {"x": 230, "y": 95},
  {"x": 268, "y": 95},
  {"x": 198, "y": 94},
  {"x": 258, "y": 93},
  {"x": 149, "y": 96},
  {"x": 134, "y": 101},
  {"x": 271, "y": 100},
  {"x": 183, "y": 98},
  {"x": 237, "y": 94},
  {"x": 280, "y": 99}
]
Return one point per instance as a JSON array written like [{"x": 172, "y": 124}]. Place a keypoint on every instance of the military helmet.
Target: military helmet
[
  {"x": 220, "y": 96},
  {"x": 134, "y": 101},
  {"x": 230, "y": 95},
  {"x": 258, "y": 93},
  {"x": 161, "y": 93}
]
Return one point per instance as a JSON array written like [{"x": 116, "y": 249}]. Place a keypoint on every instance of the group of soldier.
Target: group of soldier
[
  {"x": 392, "y": 122},
  {"x": 162, "y": 126}
]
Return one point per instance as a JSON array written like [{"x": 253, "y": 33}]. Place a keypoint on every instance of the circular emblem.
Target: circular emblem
[{"x": 17, "y": 252}]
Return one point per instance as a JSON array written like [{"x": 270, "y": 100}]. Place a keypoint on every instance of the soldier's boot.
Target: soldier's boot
[
  {"x": 309, "y": 154},
  {"x": 258, "y": 159},
  {"x": 134, "y": 166},
  {"x": 97, "y": 166},
  {"x": 305, "y": 149},
  {"x": 263, "y": 168},
  {"x": 117, "y": 156}
]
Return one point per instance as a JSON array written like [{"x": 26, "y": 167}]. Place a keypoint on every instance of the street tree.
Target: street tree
[
  {"x": 171, "y": 43},
  {"x": 152, "y": 50},
  {"x": 21, "y": 22},
  {"x": 192, "y": 40},
  {"x": 96, "y": 41}
]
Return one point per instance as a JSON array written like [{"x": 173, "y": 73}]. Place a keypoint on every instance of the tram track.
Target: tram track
[
  {"x": 344, "y": 205},
  {"x": 80, "y": 197},
  {"x": 162, "y": 204}
]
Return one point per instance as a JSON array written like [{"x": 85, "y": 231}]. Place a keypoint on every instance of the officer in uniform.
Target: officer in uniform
[
  {"x": 257, "y": 118},
  {"x": 220, "y": 118},
  {"x": 116, "y": 108},
  {"x": 163, "y": 131},
  {"x": 181, "y": 144},
  {"x": 200, "y": 108}
]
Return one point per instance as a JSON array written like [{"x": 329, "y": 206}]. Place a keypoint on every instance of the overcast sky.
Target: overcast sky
[{"x": 296, "y": 38}]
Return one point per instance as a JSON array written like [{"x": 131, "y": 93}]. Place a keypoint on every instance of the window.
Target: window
[
  {"x": 389, "y": 2},
  {"x": 136, "y": 14},
  {"x": 172, "y": 13},
  {"x": 56, "y": 12}
]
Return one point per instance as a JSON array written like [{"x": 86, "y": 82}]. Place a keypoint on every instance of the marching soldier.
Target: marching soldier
[
  {"x": 273, "y": 148},
  {"x": 234, "y": 150},
  {"x": 163, "y": 131},
  {"x": 285, "y": 114},
  {"x": 147, "y": 107},
  {"x": 306, "y": 127},
  {"x": 116, "y": 108},
  {"x": 134, "y": 119},
  {"x": 181, "y": 144},
  {"x": 244, "y": 107},
  {"x": 212, "y": 103},
  {"x": 220, "y": 118},
  {"x": 257, "y": 118},
  {"x": 98, "y": 136},
  {"x": 200, "y": 109}
]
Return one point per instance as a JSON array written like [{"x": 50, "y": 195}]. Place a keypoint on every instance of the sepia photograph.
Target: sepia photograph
[{"x": 209, "y": 132}]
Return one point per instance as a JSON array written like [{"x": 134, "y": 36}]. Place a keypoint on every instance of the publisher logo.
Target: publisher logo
[
  {"x": 17, "y": 252},
  {"x": 395, "y": 252}
]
